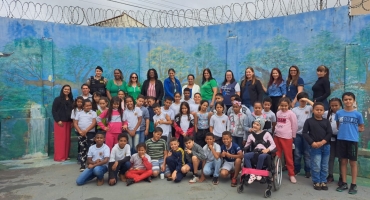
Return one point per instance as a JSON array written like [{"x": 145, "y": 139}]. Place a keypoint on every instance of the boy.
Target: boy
[
  {"x": 162, "y": 120},
  {"x": 166, "y": 110},
  {"x": 219, "y": 98},
  {"x": 194, "y": 108},
  {"x": 141, "y": 167},
  {"x": 157, "y": 150},
  {"x": 187, "y": 97},
  {"x": 232, "y": 155},
  {"x": 238, "y": 123},
  {"x": 144, "y": 126},
  {"x": 349, "y": 122},
  {"x": 119, "y": 159},
  {"x": 194, "y": 155},
  {"x": 150, "y": 102},
  {"x": 175, "y": 160},
  {"x": 212, "y": 163},
  {"x": 244, "y": 109},
  {"x": 267, "y": 102},
  {"x": 302, "y": 148},
  {"x": 97, "y": 159}
]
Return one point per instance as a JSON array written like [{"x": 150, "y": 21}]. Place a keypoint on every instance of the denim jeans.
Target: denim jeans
[
  {"x": 133, "y": 141},
  {"x": 320, "y": 163},
  {"x": 212, "y": 167},
  {"x": 261, "y": 159},
  {"x": 141, "y": 136},
  {"x": 238, "y": 141},
  {"x": 302, "y": 149},
  {"x": 89, "y": 174}
]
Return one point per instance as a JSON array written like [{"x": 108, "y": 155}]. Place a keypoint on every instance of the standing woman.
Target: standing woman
[
  {"x": 294, "y": 84},
  {"x": 321, "y": 89},
  {"x": 133, "y": 86},
  {"x": 115, "y": 85},
  {"x": 152, "y": 87},
  {"x": 194, "y": 88},
  {"x": 97, "y": 83},
  {"x": 61, "y": 110},
  {"x": 229, "y": 87},
  {"x": 208, "y": 90},
  {"x": 251, "y": 89},
  {"x": 276, "y": 88},
  {"x": 171, "y": 84}
]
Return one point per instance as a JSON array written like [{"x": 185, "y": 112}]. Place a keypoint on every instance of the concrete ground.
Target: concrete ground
[{"x": 44, "y": 179}]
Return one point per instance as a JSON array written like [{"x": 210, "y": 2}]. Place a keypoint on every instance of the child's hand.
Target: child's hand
[
  {"x": 188, "y": 151},
  {"x": 146, "y": 132},
  {"x": 114, "y": 167},
  {"x": 142, "y": 156},
  {"x": 124, "y": 127},
  {"x": 184, "y": 134},
  {"x": 223, "y": 154},
  {"x": 106, "y": 128},
  {"x": 265, "y": 151},
  {"x": 174, "y": 173},
  {"x": 314, "y": 145},
  {"x": 90, "y": 166},
  {"x": 304, "y": 99},
  {"x": 132, "y": 133},
  {"x": 163, "y": 167},
  {"x": 169, "y": 153},
  {"x": 210, "y": 146}
]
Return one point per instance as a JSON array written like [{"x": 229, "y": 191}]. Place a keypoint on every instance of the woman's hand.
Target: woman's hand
[{"x": 60, "y": 123}]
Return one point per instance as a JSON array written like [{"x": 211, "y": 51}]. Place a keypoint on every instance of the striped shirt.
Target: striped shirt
[
  {"x": 155, "y": 149},
  {"x": 151, "y": 90}
]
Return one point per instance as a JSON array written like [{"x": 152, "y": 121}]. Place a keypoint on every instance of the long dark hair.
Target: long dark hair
[
  {"x": 132, "y": 99},
  {"x": 155, "y": 74},
  {"x": 187, "y": 113},
  {"x": 330, "y": 111},
  {"x": 279, "y": 79},
  {"x": 70, "y": 96},
  {"x": 292, "y": 79},
  {"x": 232, "y": 79},
  {"x": 210, "y": 75},
  {"x": 201, "y": 103},
  {"x": 75, "y": 103},
  {"x": 110, "y": 110},
  {"x": 325, "y": 69}
]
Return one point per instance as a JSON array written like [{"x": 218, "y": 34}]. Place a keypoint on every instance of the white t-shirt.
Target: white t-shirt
[
  {"x": 166, "y": 128},
  {"x": 85, "y": 119},
  {"x": 98, "y": 153},
  {"x": 302, "y": 115},
  {"x": 175, "y": 108},
  {"x": 118, "y": 153},
  {"x": 184, "y": 122},
  {"x": 131, "y": 116},
  {"x": 194, "y": 107},
  {"x": 169, "y": 112},
  {"x": 219, "y": 124},
  {"x": 137, "y": 162},
  {"x": 74, "y": 114},
  {"x": 208, "y": 152},
  {"x": 190, "y": 101}
]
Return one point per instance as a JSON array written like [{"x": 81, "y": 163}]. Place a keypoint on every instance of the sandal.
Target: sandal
[{"x": 252, "y": 177}]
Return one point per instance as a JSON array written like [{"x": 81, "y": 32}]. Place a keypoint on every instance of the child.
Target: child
[
  {"x": 195, "y": 106},
  {"x": 150, "y": 102},
  {"x": 157, "y": 150},
  {"x": 349, "y": 122},
  {"x": 285, "y": 130},
  {"x": 175, "y": 106},
  {"x": 262, "y": 143},
  {"x": 95, "y": 103},
  {"x": 184, "y": 123},
  {"x": 244, "y": 108},
  {"x": 167, "y": 110},
  {"x": 97, "y": 159},
  {"x": 267, "y": 102},
  {"x": 113, "y": 117},
  {"x": 202, "y": 123},
  {"x": 213, "y": 161},
  {"x": 194, "y": 155},
  {"x": 77, "y": 107},
  {"x": 162, "y": 120},
  {"x": 335, "y": 104},
  {"x": 317, "y": 132},
  {"x": 302, "y": 148},
  {"x": 133, "y": 117},
  {"x": 119, "y": 159},
  {"x": 121, "y": 95},
  {"x": 85, "y": 123},
  {"x": 103, "y": 103},
  {"x": 141, "y": 168},
  {"x": 187, "y": 97},
  {"x": 232, "y": 155},
  {"x": 175, "y": 160},
  {"x": 238, "y": 123},
  {"x": 220, "y": 99},
  {"x": 144, "y": 126},
  {"x": 217, "y": 123}
]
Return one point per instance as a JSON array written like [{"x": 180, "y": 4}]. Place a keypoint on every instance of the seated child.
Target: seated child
[
  {"x": 262, "y": 142},
  {"x": 141, "y": 168},
  {"x": 232, "y": 155},
  {"x": 212, "y": 163},
  {"x": 119, "y": 159},
  {"x": 194, "y": 155},
  {"x": 157, "y": 150},
  {"x": 97, "y": 159},
  {"x": 175, "y": 160}
]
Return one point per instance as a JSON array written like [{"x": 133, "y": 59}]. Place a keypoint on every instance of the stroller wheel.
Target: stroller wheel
[{"x": 267, "y": 193}]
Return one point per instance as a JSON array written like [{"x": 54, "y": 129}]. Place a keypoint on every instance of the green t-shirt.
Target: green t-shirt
[
  {"x": 133, "y": 91},
  {"x": 113, "y": 88},
  {"x": 206, "y": 89}
]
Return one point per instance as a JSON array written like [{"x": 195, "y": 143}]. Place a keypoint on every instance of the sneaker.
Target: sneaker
[
  {"x": 82, "y": 169},
  {"x": 169, "y": 179},
  {"x": 296, "y": 173},
  {"x": 258, "y": 178},
  {"x": 352, "y": 189},
  {"x": 317, "y": 186},
  {"x": 194, "y": 179},
  {"x": 149, "y": 179},
  {"x": 307, "y": 175},
  {"x": 343, "y": 187},
  {"x": 252, "y": 177},
  {"x": 324, "y": 186},
  {"x": 330, "y": 178},
  {"x": 215, "y": 181},
  {"x": 292, "y": 179},
  {"x": 129, "y": 181},
  {"x": 233, "y": 182},
  {"x": 340, "y": 181}
]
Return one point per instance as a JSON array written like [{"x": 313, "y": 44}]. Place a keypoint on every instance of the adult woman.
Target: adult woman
[
  {"x": 208, "y": 90},
  {"x": 61, "y": 110},
  {"x": 133, "y": 86},
  {"x": 97, "y": 83},
  {"x": 171, "y": 84},
  {"x": 321, "y": 89},
  {"x": 115, "y": 85},
  {"x": 276, "y": 88},
  {"x": 194, "y": 88},
  {"x": 294, "y": 84},
  {"x": 229, "y": 87},
  {"x": 152, "y": 86},
  {"x": 251, "y": 89}
]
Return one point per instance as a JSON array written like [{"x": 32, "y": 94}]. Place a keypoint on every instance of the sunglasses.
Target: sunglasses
[{"x": 134, "y": 77}]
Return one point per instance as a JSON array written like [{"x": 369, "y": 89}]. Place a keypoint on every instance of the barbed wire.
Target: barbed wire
[{"x": 146, "y": 17}]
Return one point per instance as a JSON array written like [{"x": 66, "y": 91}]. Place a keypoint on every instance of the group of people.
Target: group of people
[{"x": 137, "y": 132}]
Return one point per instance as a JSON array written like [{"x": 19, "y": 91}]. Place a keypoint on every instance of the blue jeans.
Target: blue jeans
[
  {"x": 141, "y": 136},
  {"x": 238, "y": 141},
  {"x": 302, "y": 148},
  {"x": 89, "y": 174},
  {"x": 320, "y": 163},
  {"x": 133, "y": 141},
  {"x": 212, "y": 167},
  {"x": 250, "y": 155}
]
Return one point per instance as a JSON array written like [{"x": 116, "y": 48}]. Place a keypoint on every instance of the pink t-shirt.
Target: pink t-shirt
[{"x": 286, "y": 124}]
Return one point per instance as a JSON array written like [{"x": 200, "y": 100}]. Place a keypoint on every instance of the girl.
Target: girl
[
  {"x": 285, "y": 130},
  {"x": 121, "y": 95},
  {"x": 184, "y": 123},
  {"x": 238, "y": 123},
  {"x": 113, "y": 117},
  {"x": 317, "y": 132},
  {"x": 133, "y": 117},
  {"x": 217, "y": 124},
  {"x": 77, "y": 108},
  {"x": 276, "y": 88},
  {"x": 176, "y": 105},
  {"x": 95, "y": 102},
  {"x": 202, "y": 123},
  {"x": 84, "y": 123},
  {"x": 321, "y": 88},
  {"x": 103, "y": 103},
  {"x": 335, "y": 105}
]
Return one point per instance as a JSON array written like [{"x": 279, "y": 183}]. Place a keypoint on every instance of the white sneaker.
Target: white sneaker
[
  {"x": 258, "y": 178},
  {"x": 252, "y": 177},
  {"x": 194, "y": 179}
]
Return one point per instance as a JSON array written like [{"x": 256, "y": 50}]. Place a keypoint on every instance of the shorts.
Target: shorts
[
  {"x": 347, "y": 149},
  {"x": 192, "y": 167},
  {"x": 229, "y": 166},
  {"x": 156, "y": 166}
]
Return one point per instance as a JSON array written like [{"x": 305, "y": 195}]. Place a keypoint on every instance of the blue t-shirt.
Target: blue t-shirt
[
  {"x": 348, "y": 125},
  {"x": 292, "y": 90},
  {"x": 234, "y": 149},
  {"x": 277, "y": 91}
]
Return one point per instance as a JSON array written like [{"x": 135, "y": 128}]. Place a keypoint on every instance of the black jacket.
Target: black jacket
[
  {"x": 62, "y": 109},
  {"x": 158, "y": 89},
  {"x": 255, "y": 91}
]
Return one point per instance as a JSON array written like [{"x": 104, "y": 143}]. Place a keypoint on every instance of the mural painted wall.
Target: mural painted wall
[{"x": 37, "y": 58}]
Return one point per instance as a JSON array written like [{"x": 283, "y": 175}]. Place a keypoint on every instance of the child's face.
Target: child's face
[
  {"x": 236, "y": 108},
  {"x": 79, "y": 103},
  {"x": 219, "y": 99},
  {"x": 99, "y": 139},
  {"x": 87, "y": 106},
  {"x": 139, "y": 102},
  {"x": 348, "y": 101},
  {"x": 232, "y": 99},
  {"x": 129, "y": 103},
  {"x": 157, "y": 136},
  {"x": 141, "y": 151},
  {"x": 257, "y": 109},
  {"x": 266, "y": 106},
  {"x": 102, "y": 104},
  {"x": 187, "y": 95},
  {"x": 302, "y": 103},
  {"x": 157, "y": 110},
  {"x": 334, "y": 106},
  {"x": 318, "y": 111},
  {"x": 284, "y": 106},
  {"x": 150, "y": 102},
  {"x": 121, "y": 94},
  {"x": 210, "y": 139},
  {"x": 167, "y": 103},
  {"x": 189, "y": 144},
  {"x": 174, "y": 145},
  {"x": 197, "y": 99},
  {"x": 145, "y": 102},
  {"x": 184, "y": 109},
  {"x": 219, "y": 109},
  {"x": 204, "y": 106},
  {"x": 177, "y": 98},
  {"x": 122, "y": 142},
  {"x": 256, "y": 126},
  {"x": 226, "y": 140},
  {"x": 96, "y": 98},
  {"x": 115, "y": 105}
]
